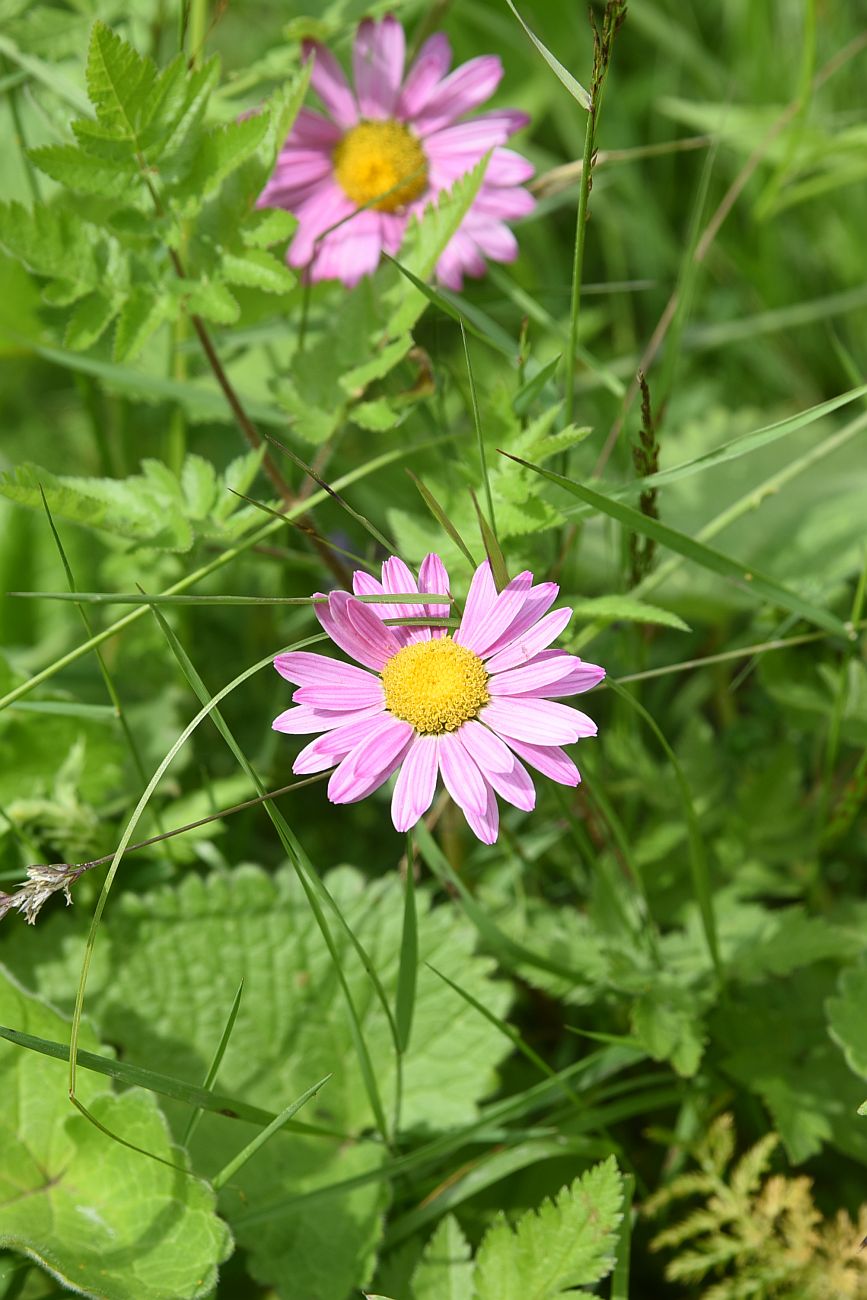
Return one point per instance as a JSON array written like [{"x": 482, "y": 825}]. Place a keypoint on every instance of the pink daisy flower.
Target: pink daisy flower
[
  {"x": 394, "y": 143},
  {"x": 467, "y": 707}
]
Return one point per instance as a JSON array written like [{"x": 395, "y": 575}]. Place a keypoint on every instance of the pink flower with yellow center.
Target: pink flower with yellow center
[
  {"x": 393, "y": 144},
  {"x": 467, "y": 707}
]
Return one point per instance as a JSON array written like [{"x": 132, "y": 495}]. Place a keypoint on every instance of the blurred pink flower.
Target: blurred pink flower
[
  {"x": 396, "y": 142},
  {"x": 468, "y": 707}
]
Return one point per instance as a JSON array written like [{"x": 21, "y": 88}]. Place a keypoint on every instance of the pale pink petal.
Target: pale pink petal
[
  {"x": 361, "y": 635},
  {"x": 473, "y": 139},
  {"x": 331, "y": 86},
  {"x": 377, "y": 61},
  {"x": 326, "y": 206},
  {"x": 501, "y": 613},
  {"x": 496, "y": 241},
  {"x": 371, "y": 762},
  {"x": 297, "y": 167},
  {"x": 351, "y": 695},
  {"x": 392, "y": 227},
  {"x": 490, "y": 752},
  {"x": 536, "y": 677},
  {"x": 515, "y": 786},
  {"x": 303, "y": 719},
  {"x": 464, "y": 89},
  {"x": 497, "y": 203},
  {"x": 485, "y": 825},
  {"x": 577, "y": 676},
  {"x": 461, "y": 776},
  {"x": 508, "y": 168},
  {"x": 540, "y": 722},
  {"x": 452, "y": 264},
  {"x": 332, "y": 746},
  {"x": 416, "y": 783},
  {"x": 432, "y": 63},
  {"x": 528, "y": 644},
  {"x": 550, "y": 760},
  {"x": 538, "y": 601},
  {"x": 432, "y": 578},
  {"x": 363, "y": 584},
  {"x": 351, "y": 251},
  {"x": 314, "y": 131},
  {"x": 480, "y": 599},
  {"x": 305, "y": 669}
]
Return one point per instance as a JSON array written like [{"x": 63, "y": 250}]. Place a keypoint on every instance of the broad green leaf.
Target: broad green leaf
[
  {"x": 106, "y": 1221},
  {"x": 211, "y": 300},
  {"x": 569, "y": 1242},
  {"x": 257, "y": 269},
  {"x": 377, "y": 415},
  {"x": 146, "y": 993},
  {"x": 268, "y": 226},
  {"x": 668, "y": 1022},
  {"x": 445, "y": 1271},
  {"x": 760, "y": 586},
  {"x": 847, "y": 1022}
]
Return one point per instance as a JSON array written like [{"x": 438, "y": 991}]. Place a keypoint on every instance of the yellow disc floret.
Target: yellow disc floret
[
  {"x": 436, "y": 685},
  {"x": 382, "y": 161}
]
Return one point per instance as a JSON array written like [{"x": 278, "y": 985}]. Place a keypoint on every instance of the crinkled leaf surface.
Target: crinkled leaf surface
[
  {"x": 569, "y": 1242},
  {"x": 162, "y": 983},
  {"x": 105, "y": 1220}
]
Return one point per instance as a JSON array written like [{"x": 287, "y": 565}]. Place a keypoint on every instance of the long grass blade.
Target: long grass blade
[
  {"x": 407, "y": 973},
  {"x": 228, "y": 1171},
  {"x": 217, "y": 1061}
]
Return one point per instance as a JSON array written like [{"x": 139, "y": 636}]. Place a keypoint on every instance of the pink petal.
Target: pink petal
[
  {"x": 480, "y": 599},
  {"x": 515, "y": 786},
  {"x": 496, "y": 241},
  {"x": 537, "y": 675},
  {"x": 371, "y": 762},
  {"x": 550, "y": 760},
  {"x": 332, "y": 746},
  {"x": 467, "y": 87},
  {"x": 498, "y": 617},
  {"x": 432, "y": 63},
  {"x": 350, "y": 252},
  {"x": 360, "y": 634},
  {"x": 297, "y": 166},
  {"x": 577, "y": 677},
  {"x": 416, "y": 783},
  {"x": 377, "y": 62},
  {"x": 331, "y": 86},
  {"x": 461, "y": 776},
  {"x": 432, "y": 578},
  {"x": 351, "y": 696},
  {"x": 325, "y": 207},
  {"x": 365, "y": 585},
  {"x": 304, "y": 719},
  {"x": 490, "y": 752},
  {"x": 305, "y": 669},
  {"x": 473, "y": 139},
  {"x": 485, "y": 825},
  {"x": 508, "y": 168},
  {"x": 499, "y": 203},
  {"x": 528, "y": 644},
  {"x": 539, "y": 600},
  {"x": 313, "y": 131},
  {"x": 540, "y": 722}
]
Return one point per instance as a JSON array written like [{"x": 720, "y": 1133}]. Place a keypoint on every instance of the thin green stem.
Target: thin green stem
[{"x": 578, "y": 261}]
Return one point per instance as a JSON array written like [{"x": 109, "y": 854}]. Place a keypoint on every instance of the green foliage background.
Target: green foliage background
[{"x": 488, "y": 1105}]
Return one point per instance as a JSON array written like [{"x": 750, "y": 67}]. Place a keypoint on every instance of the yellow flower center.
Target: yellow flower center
[
  {"x": 435, "y": 685},
  {"x": 382, "y": 161}
]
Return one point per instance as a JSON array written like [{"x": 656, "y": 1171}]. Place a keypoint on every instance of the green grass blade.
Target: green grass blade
[
  {"x": 620, "y": 1276},
  {"x": 492, "y": 548},
  {"x": 260, "y": 1139},
  {"x": 164, "y": 1085},
  {"x": 576, "y": 90},
  {"x": 441, "y": 517},
  {"x": 407, "y": 975},
  {"x": 480, "y": 442},
  {"x": 748, "y": 579},
  {"x": 211, "y": 1075}
]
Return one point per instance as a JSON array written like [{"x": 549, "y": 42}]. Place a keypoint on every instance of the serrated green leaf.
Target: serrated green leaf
[
  {"x": 143, "y": 312},
  {"x": 268, "y": 226},
  {"x": 218, "y": 153},
  {"x": 83, "y": 172},
  {"x": 354, "y": 381},
  {"x": 613, "y": 609},
  {"x": 568, "y": 1243},
  {"x": 119, "y": 83},
  {"x": 377, "y": 415},
  {"x": 445, "y": 1271},
  {"x": 668, "y": 1022},
  {"x": 211, "y": 300},
  {"x": 89, "y": 320},
  {"x": 107, "y": 1221},
  {"x": 847, "y": 1021},
  {"x": 257, "y": 269}
]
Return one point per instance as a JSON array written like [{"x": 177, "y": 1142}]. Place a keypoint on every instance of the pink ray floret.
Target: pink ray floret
[
  {"x": 339, "y": 236},
  {"x": 475, "y": 736}
]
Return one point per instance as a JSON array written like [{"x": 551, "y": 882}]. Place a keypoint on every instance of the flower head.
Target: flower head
[
  {"x": 467, "y": 707},
  {"x": 388, "y": 147}
]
